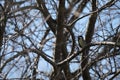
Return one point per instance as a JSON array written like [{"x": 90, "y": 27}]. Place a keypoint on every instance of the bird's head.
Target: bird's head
[{"x": 80, "y": 37}]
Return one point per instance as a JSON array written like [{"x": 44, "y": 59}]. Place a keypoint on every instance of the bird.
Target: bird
[{"x": 81, "y": 42}]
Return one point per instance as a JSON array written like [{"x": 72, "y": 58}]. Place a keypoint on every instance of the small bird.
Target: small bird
[{"x": 81, "y": 41}]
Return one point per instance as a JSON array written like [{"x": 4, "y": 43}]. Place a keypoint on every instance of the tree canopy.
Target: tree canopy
[{"x": 39, "y": 39}]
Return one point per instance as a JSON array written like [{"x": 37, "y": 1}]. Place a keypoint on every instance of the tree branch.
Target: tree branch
[
  {"x": 69, "y": 58},
  {"x": 51, "y": 22}
]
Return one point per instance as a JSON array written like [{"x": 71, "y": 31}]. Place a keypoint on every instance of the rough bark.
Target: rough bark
[
  {"x": 88, "y": 37},
  {"x": 3, "y": 20}
]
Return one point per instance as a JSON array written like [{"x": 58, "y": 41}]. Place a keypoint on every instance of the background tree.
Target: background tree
[{"x": 38, "y": 39}]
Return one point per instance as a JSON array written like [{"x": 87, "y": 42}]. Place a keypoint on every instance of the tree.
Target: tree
[{"x": 44, "y": 33}]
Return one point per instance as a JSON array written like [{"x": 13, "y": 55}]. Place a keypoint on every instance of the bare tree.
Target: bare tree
[{"x": 38, "y": 39}]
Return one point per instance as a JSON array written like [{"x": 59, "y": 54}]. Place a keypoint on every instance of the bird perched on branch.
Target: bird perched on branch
[{"x": 81, "y": 41}]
